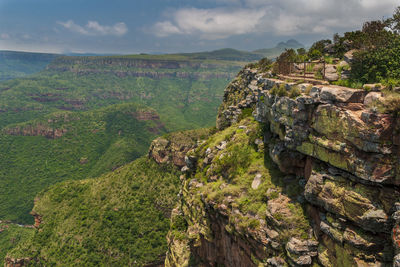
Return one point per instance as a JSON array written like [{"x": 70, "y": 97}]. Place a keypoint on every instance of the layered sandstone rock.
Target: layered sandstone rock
[{"x": 345, "y": 154}]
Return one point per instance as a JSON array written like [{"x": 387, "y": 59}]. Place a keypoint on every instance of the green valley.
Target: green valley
[
  {"x": 122, "y": 219},
  {"x": 69, "y": 145}
]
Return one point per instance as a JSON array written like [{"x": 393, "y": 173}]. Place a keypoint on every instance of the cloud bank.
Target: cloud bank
[
  {"x": 278, "y": 17},
  {"x": 93, "y": 28},
  {"x": 210, "y": 23}
]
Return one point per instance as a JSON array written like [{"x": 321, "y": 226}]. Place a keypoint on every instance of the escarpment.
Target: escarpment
[
  {"x": 144, "y": 67},
  {"x": 331, "y": 200}
]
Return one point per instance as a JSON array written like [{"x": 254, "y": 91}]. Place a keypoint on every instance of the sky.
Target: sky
[{"x": 169, "y": 26}]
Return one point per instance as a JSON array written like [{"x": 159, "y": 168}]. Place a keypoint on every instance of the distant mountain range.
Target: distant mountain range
[{"x": 19, "y": 64}]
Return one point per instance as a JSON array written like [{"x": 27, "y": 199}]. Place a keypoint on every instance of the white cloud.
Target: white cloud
[
  {"x": 93, "y": 28},
  {"x": 210, "y": 23},
  {"x": 277, "y": 17}
]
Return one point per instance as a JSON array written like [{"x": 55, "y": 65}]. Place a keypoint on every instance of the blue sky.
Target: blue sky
[{"x": 149, "y": 26}]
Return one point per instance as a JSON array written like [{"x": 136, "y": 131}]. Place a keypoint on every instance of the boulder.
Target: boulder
[
  {"x": 331, "y": 73},
  {"x": 257, "y": 181},
  {"x": 348, "y": 56},
  {"x": 276, "y": 262},
  {"x": 338, "y": 94},
  {"x": 331, "y": 76},
  {"x": 372, "y": 97},
  {"x": 301, "y": 252}
]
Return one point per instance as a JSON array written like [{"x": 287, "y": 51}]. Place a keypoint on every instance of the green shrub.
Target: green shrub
[
  {"x": 179, "y": 223},
  {"x": 378, "y": 64},
  {"x": 390, "y": 104},
  {"x": 315, "y": 54},
  {"x": 294, "y": 92},
  {"x": 124, "y": 213},
  {"x": 282, "y": 90},
  {"x": 274, "y": 90},
  {"x": 349, "y": 83},
  {"x": 265, "y": 64}
]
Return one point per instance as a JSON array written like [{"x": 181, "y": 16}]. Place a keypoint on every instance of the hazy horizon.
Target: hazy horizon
[{"x": 176, "y": 26}]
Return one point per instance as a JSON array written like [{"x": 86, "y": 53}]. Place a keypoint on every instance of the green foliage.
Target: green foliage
[
  {"x": 119, "y": 219},
  {"x": 394, "y": 22},
  {"x": 279, "y": 90},
  {"x": 107, "y": 138},
  {"x": 265, "y": 64},
  {"x": 235, "y": 161},
  {"x": 349, "y": 83},
  {"x": 225, "y": 54},
  {"x": 320, "y": 45},
  {"x": 282, "y": 90},
  {"x": 274, "y": 90},
  {"x": 186, "y": 94},
  {"x": 378, "y": 64},
  {"x": 184, "y": 91},
  {"x": 12, "y": 236},
  {"x": 294, "y": 92},
  {"x": 314, "y": 54},
  {"x": 389, "y": 104},
  {"x": 236, "y": 166},
  {"x": 247, "y": 112}
]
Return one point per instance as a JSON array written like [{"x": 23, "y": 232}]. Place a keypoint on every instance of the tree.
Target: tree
[{"x": 394, "y": 22}]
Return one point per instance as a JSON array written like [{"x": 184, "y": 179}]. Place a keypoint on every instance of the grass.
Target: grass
[
  {"x": 236, "y": 167},
  {"x": 349, "y": 83},
  {"x": 294, "y": 92}
]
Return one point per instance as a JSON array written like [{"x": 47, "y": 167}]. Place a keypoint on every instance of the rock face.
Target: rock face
[
  {"x": 10, "y": 262},
  {"x": 172, "y": 148},
  {"x": 138, "y": 67},
  {"x": 36, "y": 130},
  {"x": 345, "y": 156}
]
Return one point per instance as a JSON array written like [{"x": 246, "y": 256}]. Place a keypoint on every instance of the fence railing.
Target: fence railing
[{"x": 305, "y": 69}]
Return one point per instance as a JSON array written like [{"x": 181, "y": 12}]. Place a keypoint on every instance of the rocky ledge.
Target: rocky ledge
[{"x": 331, "y": 141}]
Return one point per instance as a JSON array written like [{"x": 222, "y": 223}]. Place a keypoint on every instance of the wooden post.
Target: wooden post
[
  {"x": 305, "y": 69},
  {"x": 324, "y": 71}
]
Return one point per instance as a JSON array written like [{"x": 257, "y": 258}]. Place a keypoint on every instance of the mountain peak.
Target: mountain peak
[{"x": 291, "y": 43}]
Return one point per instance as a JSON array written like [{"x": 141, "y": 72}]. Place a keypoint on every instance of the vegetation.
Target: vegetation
[
  {"x": 375, "y": 53},
  {"x": 94, "y": 142},
  {"x": 85, "y": 96},
  {"x": 234, "y": 170},
  {"x": 182, "y": 103},
  {"x": 12, "y": 236},
  {"x": 379, "y": 64},
  {"x": 294, "y": 92},
  {"x": 118, "y": 219}
]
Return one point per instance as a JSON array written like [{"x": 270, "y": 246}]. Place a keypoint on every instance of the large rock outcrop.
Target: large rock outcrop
[{"x": 342, "y": 153}]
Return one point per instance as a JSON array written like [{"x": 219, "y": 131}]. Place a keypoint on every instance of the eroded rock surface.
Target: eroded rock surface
[{"x": 340, "y": 151}]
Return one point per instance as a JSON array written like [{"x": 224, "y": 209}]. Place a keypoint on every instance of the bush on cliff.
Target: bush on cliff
[{"x": 378, "y": 64}]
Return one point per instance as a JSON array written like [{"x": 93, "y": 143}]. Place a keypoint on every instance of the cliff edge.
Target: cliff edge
[{"x": 297, "y": 174}]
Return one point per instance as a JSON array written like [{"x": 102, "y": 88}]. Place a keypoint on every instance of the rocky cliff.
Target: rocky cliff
[
  {"x": 297, "y": 174},
  {"x": 155, "y": 67}
]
